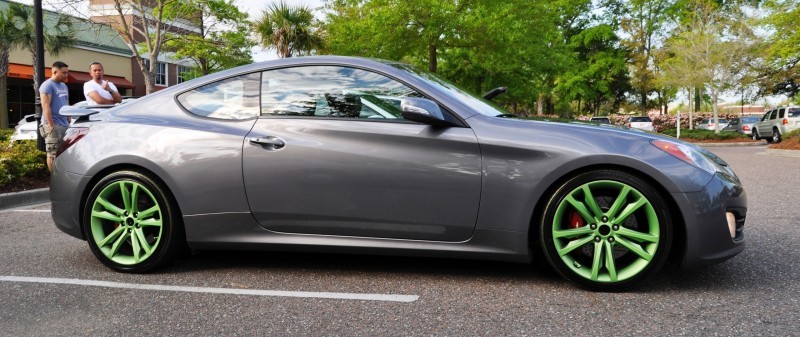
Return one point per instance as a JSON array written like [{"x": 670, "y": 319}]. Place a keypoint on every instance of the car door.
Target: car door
[
  {"x": 764, "y": 126},
  {"x": 320, "y": 161}
]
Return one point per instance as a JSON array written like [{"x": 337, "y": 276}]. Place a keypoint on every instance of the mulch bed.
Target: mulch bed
[{"x": 25, "y": 184}]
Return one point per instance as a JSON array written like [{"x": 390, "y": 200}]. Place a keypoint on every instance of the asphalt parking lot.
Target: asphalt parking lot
[{"x": 51, "y": 285}]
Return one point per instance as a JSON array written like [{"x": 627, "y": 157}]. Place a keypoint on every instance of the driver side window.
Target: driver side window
[{"x": 332, "y": 92}]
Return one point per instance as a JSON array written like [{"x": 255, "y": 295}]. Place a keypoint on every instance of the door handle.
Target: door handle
[{"x": 274, "y": 142}]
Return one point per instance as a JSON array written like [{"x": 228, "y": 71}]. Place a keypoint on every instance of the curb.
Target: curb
[
  {"x": 784, "y": 153},
  {"x": 24, "y": 198},
  {"x": 731, "y": 144}
]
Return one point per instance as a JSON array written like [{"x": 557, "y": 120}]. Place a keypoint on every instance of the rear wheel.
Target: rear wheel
[
  {"x": 776, "y": 136},
  {"x": 755, "y": 134},
  {"x": 606, "y": 230},
  {"x": 130, "y": 223}
]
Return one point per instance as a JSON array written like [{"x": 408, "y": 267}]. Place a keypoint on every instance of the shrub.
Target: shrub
[
  {"x": 706, "y": 134},
  {"x": 21, "y": 160}
]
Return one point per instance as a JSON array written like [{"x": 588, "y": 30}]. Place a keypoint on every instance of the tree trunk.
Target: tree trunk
[
  {"x": 432, "y": 63},
  {"x": 3, "y": 88},
  {"x": 540, "y": 105},
  {"x": 714, "y": 108}
]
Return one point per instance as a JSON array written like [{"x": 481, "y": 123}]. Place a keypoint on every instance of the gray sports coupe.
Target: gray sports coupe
[{"x": 350, "y": 155}]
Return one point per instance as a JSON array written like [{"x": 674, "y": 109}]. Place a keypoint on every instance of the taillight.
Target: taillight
[
  {"x": 72, "y": 136},
  {"x": 785, "y": 121},
  {"x": 745, "y": 128}
]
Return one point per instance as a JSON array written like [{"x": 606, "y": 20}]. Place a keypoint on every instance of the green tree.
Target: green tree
[
  {"x": 17, "y": 30},
  {"x": 717, "y": 46},
  {"x": 644, "y": 23},
  {"x": 290, "y": 30},
  {"x": 600, "y": 72},
  {"x": 222, "y": 41},
  {"x": 781, "y": 73}
]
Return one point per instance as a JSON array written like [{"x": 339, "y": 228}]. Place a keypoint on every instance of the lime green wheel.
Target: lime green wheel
[
  {"x": 606, "y": 230},
  {"x": 130, "y": 223}
]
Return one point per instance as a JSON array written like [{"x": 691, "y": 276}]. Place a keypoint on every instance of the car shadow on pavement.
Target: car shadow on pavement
[{"x": 361, "y": 264}]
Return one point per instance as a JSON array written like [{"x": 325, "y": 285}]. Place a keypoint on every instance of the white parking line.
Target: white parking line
[{"x": 228, "y": 291}]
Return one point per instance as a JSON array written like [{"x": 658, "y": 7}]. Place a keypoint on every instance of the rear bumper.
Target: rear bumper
[{"x": 65, "y": 196}]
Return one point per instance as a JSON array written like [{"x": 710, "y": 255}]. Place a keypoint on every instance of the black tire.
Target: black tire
[
  {"x": 755, "y": 135},
  {"x": 776, "y": 136},
  {"x": 132, "y": 237},
  {"x": 611, "y": 250}
]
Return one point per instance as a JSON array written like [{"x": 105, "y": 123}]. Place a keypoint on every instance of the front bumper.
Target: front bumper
[{"x": 708, "y": 237}]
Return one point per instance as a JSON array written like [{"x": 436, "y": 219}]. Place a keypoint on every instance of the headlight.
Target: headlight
[{"x": 694, "y": 156}]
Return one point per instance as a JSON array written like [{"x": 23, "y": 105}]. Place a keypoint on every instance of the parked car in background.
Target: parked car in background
[
  {"x": 743, "y": 125},
  {"x": 640, "y": 122},
  {"x": 708, "y": 124},
  {"x": 601, "y": 120},
  {"x": 25, "y": 129},
  {"x": 776, "y": 123}
]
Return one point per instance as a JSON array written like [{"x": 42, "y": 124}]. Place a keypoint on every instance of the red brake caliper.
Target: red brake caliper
[{"x": 575, "y": 220}]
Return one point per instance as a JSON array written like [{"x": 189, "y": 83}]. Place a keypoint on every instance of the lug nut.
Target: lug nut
[
  {"x": 597, "y": 239},
  {"x": 593, "y": 226},
  {"x": 611, "y": 239},
  {"x": 605, "y": 218},
  {"x": 615, "y": 227}
]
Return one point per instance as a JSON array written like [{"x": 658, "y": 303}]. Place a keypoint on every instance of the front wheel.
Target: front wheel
[
  {"x": 755, "y": 135},
  {"x": 130, "y": 223},
  {"x": 606, "y": 230}
]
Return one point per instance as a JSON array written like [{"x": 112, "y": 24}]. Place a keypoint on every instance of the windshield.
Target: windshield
[{"x": 480, "y": 105}]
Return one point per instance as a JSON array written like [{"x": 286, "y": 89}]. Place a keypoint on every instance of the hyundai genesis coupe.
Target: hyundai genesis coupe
[{"x": 362, "y": 156}]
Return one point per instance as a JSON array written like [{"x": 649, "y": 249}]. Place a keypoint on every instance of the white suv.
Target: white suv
[
  {"x": 776, "y": 123},
  {"x": 640, "y": 122}
]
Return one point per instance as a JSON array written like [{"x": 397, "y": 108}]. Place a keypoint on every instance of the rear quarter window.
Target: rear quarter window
[{"x": 794, "y": 112}]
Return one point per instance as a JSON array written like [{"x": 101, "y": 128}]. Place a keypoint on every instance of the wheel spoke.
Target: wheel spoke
[
  {"x": 118, "y": 244},
  {"x": 143, "y": 241},
  {"x": 591, "y": 202},
  {"x": 634, "y": 248},
  {"x": 610, "y": 266},
  {"x": 637, "y": 236},
  {"x": 150, "y": 223},
  {"x": 571, "y": 233},
  {"x": 135, "y": 246},
  {"x": 623, "y": 195},
  {"x": 108, "y": 216},
  {"x": 126, "y": 196},
  {"x": 629, "y": 210},
  {"x": 113, "y": 235},
  {"x": 149, "y": 212},
  {"x": 135, "y": 198},
  {"x": 574, "y": 245},
  {"x": 597, "y": 263},
  {"x": 109, "y": 206},
  {"x": 581, "y": 208}
]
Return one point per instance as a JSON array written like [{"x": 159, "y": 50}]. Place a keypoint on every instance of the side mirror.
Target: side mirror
[{"x": 423, "y": 111}]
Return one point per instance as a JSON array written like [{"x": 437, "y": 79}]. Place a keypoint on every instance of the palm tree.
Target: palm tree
[
  {"x": 18, "y": 30},
  {"x": 289, "y": 30}
]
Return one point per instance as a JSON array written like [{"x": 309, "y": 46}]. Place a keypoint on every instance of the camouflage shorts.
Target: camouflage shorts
[{"x": 53, "y": 138}]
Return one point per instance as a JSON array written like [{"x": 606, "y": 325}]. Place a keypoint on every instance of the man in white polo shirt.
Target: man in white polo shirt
[{"x": 99, "y": 91}]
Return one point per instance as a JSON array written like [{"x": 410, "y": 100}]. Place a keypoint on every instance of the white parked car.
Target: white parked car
[
  {"x": 708, "y": 124},
  {"x": 641, "y": 122},
  {"x": 25, "y": 129}
]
